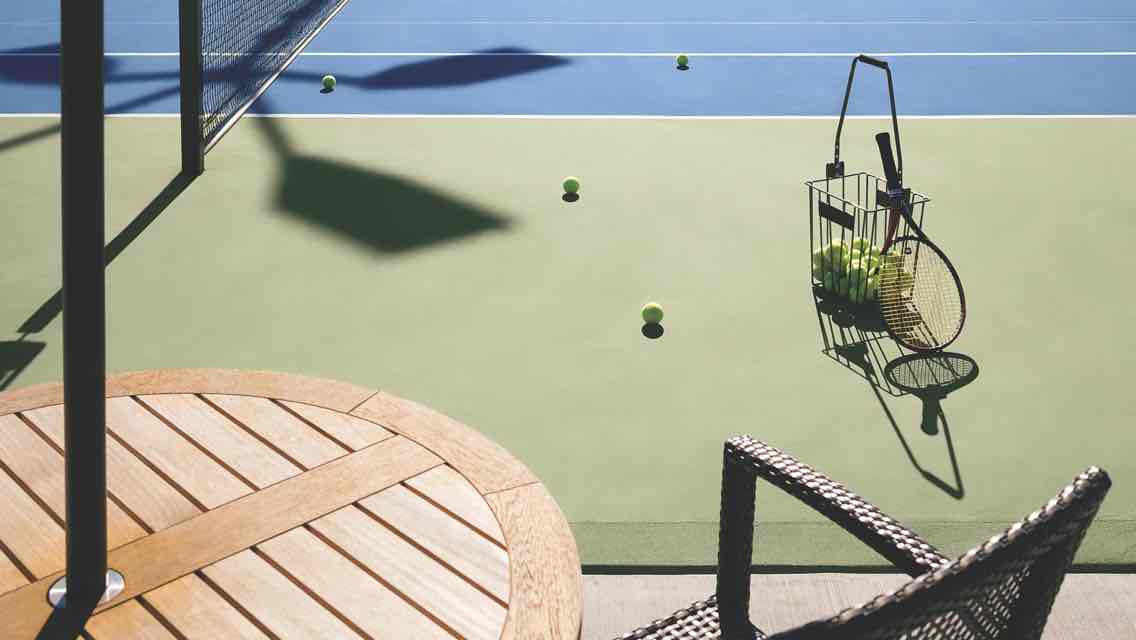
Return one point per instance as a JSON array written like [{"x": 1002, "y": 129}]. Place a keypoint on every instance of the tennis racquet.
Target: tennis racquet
[
  {"x": 930, "y": 377},
  {"x": 920, "y": 293}
]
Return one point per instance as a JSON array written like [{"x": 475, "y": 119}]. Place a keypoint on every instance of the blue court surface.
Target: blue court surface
[{"x": 601, "y": 58}]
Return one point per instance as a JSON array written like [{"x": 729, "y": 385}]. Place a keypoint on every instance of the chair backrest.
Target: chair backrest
[{"x": 1001, "y": 590}]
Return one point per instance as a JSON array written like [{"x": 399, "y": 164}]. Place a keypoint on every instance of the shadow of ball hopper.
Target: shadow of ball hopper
[{"x": 865, "y": 316}]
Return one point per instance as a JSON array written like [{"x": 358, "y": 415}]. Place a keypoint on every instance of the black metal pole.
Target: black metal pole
[
  {"x": 189, "y": 36},
  {"x": 84, "y": 304}
]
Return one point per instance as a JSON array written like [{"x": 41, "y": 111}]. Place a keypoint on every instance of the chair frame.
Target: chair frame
[{"x": 1048, "y": 539}]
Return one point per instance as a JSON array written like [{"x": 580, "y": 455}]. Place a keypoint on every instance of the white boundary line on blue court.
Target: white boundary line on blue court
[
  {"x": 596, "y": 54},
  {"x": 538, "y": 116}
]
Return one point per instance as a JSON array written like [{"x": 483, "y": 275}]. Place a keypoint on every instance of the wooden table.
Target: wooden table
[{"x": 257, "y": 505}]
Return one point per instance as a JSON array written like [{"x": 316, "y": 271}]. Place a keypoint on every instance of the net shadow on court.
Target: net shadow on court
[
  {"x": 380, "y": 211},
  {"x": 457, "y": 70},
  {"x": 15, "y": 356}
]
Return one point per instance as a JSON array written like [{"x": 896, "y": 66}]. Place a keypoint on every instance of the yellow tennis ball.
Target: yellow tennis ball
[
  {"x": 571, "y": 184},
  {"x": 873, "y": 291},
  {"x": 860, "y": 244},
  {"x": 831, "y": 281},
  {"x": 652, "y": 313}
]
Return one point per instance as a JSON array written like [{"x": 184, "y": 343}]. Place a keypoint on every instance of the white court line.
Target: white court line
[
  {"x": 538, "y": 116},
  {"x": 593, "y": 54}
]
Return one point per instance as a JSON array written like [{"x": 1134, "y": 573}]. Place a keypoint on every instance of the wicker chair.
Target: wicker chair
[{"x": 1001, "y": 590}]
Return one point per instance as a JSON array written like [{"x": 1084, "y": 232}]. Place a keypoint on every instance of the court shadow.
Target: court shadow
[
  {"x": 853, "y": 337},
  {"x": 848, "y": 339},
  {"x": 464, "y": 69},
  {"x": 652, "y": 331},
  {"x": 40, "y": 65},
  {"x": 15, "y": 356},
  {"x": 377, "y": 210},
  {"x": 383, "y": 212},
  {"x": 570, "y": 197},
  {"x": 53, "y": 306}
]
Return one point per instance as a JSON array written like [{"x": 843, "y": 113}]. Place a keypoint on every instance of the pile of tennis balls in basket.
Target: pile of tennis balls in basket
[{"x": 849, "y": 269}]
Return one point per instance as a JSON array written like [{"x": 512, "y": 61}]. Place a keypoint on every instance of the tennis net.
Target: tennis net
[{"x": 236, "y": 49}]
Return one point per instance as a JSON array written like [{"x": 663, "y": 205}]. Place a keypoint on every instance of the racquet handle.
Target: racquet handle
[{"x": 883, "y": 141}]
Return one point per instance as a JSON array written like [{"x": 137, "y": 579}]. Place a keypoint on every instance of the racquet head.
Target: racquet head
[{"x": 920, "y": 295}]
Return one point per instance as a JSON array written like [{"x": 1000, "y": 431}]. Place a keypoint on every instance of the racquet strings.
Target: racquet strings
[{"x": 919, "y": 298}]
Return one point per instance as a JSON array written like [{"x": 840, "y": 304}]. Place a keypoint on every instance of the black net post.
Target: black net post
[
  {"x": 84, "y": 302},
  {"x": 192, "y": 143}
]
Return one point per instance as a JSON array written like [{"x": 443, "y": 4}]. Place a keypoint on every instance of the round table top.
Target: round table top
[{"x": 252, "y": 504}]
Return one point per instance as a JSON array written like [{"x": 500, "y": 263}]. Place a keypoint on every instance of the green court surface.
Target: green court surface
[{"x": 435, "y": 259}]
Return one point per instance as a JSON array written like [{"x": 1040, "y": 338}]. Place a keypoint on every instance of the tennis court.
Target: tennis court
[{"x": 406, "y": 232}]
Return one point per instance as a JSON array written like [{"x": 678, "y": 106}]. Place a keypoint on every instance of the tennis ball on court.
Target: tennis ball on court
[
  {"x": 571, "y": 184},
  {"x": 652, "y": 313},
  {"x": 681, "y": 60},
  {"x": 329, "y": 82}
]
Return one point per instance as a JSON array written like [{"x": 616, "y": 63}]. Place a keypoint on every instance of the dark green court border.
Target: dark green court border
[{"x": 785, "y": 547}]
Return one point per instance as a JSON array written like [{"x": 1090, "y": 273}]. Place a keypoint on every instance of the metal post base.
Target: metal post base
[{"x": 114, "y": 585}]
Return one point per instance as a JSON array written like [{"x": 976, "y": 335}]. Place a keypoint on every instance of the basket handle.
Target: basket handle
[{"x": 836, "y": 169}]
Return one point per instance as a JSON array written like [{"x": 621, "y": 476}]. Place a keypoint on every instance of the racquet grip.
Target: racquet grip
[{"x": 883, "y": 141}]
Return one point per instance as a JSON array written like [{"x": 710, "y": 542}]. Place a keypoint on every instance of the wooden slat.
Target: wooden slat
[
  {"x": 199, "y": 612},
  {"x": 242, "y": 452},
  {"x": 182, "y": 462},
  {"x": 128, "y": 620},
  {"x": 454, "y": 493},
  {"x": 34, "y": 397},
  {"x": 41, "y": 469},
  {"x": 543, "y": 563},
  {"x": 447, "y": 597},
  {"x": 10, "y": 576},
  {"x": 332, "y": 394},
  {"x": 302, "y": 443},
  {"x": 27, "y": 530},
  {"x": 350, "y": 430},
  {"x": 144, "y": 492},
  {"x": 274, "y": 600},
  {"x": 183, "y": 548},
  {"x": 376, "y": 609},
  {"x": 452, "y": 542},
  {"x": 484, "y": 462}
]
